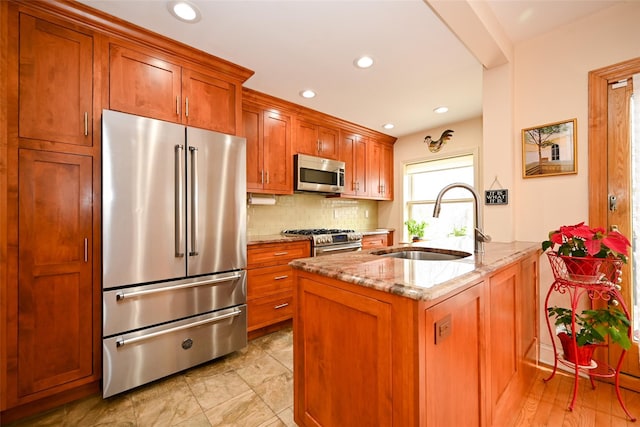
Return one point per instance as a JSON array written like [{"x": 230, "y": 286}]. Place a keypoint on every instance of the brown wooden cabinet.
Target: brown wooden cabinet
[
  {"x": 55, "y": 82},
  {"x": 371, "y": 241},
  {"x": 353, "y": 151},
  {"x": 56, "y": 340},
  {"x": 270, "y": 283},
  {"x": 269, "y": 160},
  {"x": 145, "y": 82},
  {"x": 380, "y": 170},
  {"x": 412, "y": 361},
  {"x": 315, "y": 140}
]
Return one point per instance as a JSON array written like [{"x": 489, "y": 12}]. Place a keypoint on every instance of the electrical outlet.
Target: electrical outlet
[
  {"x": 442, "y": 328},
  {"x": 366, "y": 213}
]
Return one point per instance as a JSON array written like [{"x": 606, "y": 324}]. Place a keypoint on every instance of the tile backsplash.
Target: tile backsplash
[{"x": 311, "y": 211}]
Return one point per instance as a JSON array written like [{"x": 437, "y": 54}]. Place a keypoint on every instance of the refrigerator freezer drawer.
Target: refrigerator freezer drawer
[
  {"x": 126, "y": 309},
  {"x": 137, "y": 358}
]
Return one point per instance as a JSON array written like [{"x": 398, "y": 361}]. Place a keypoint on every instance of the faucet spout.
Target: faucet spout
[{"x": 479, "y": 236}]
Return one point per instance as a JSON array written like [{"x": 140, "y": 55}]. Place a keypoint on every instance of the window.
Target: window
[
  {"x": 423, "y": 182},
  {"x": 555, "y": 152}
]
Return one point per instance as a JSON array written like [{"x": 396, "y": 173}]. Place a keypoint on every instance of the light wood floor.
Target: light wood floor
[{"x": 547, "y": 404}]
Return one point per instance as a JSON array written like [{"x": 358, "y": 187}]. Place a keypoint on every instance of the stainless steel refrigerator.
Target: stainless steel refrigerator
[{"x": 173, "y": 248}]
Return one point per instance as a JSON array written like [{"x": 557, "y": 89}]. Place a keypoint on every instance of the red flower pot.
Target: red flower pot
[{"x": 584, "y": 353}]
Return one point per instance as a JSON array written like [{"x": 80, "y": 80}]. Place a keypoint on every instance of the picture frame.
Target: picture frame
[{"x": 550, "y": 149}]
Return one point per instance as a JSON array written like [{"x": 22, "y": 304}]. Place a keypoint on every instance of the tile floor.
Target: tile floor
[{"x": 251, "y": 387}]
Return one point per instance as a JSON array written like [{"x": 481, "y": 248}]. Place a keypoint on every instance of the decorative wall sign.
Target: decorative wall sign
[
  {"x": 549, "y": 149},
  {"x": 498, "y": 196},
  {"x": 435, "y": 146}
]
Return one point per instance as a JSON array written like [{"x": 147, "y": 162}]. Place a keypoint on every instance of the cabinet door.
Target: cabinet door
[
  {"x": 306, "y": 141},
  {"x": 278, "y": 162},
  {"x": 56, "y": 81},
  {"x": 360, "y": 166},
  {"x": 142, "y": 84},
  {"x": 454, "y": 373},
  {"x": 55, "y": 320},
  {"x": 380, "y": 171},
  {"x": 503, "y": 346},
  {"x": 347, "y": 144},
  {"x": 209, "y": 102},
  {"x": 343, "y": 347},
  {"x": 328, "y": 143},
  {"x": 253, "y": 131}
]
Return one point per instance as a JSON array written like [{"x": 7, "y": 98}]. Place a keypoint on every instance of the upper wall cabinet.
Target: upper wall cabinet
[
  {"x": 55, "y": 83},
  {"x": 353, "y": 151},
  {"x": 143, "y": 82},
  {"x": 380, "y": 170},
  {"x": 269, "y": 160},
  {"x": 315, "y": 140}
]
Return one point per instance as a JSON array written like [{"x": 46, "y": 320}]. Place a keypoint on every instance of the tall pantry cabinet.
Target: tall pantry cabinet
[
  {"x": 57, "y": 75},
  {"x": 50, "y": 305}
]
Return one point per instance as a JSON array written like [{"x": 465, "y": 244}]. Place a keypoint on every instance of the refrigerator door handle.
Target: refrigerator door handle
[
  {"x": 179, "y": 197},
  {"x": 194, "y": 201}
]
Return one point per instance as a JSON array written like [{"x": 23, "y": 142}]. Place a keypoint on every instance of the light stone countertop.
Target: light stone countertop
[
  {"x": 274, "y": 238},
  {"x": 418, "y": 280}
]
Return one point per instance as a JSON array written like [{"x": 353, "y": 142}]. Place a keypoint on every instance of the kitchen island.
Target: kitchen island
[{"x": 385, "y": 341}]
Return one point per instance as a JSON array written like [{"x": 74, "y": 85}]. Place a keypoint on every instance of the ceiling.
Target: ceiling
[{"x": 305, "y": 44}]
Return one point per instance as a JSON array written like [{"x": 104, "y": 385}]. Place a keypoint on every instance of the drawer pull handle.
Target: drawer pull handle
[
  {"x": 121, "y": 341},
  {"x": 281, "y": 253},
  {"x": 280, "y": 277},
  {"x": 279, "y": 306},
  {"x": 122, "y": 295}
]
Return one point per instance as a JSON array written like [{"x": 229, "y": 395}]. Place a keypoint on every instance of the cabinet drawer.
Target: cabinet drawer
[
  {"x": 276, "y": 253},
  {"x": 268, "y": 310},
  {"x": 374, "y": 241},
  {"x": 268, "y": 280}
]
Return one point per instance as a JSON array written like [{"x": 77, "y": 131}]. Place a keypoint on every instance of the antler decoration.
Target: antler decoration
[{"x": 435, "y": 146}]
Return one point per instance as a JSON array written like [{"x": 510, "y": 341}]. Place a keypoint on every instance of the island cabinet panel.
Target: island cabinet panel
[
  {"x": 503, "y": 345},
  {"x": 55, "y": 83},
  {"x": 270, "y": 284},
  {"x": 347, "y": 352},
  {"x": 454, "y": 375}
]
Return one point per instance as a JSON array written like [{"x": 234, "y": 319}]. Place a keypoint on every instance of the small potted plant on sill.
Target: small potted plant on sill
[
  {"x": 416, "y": 229},
  {"x": 583, "y": 248},
  {"x": 592, "y": 327}
]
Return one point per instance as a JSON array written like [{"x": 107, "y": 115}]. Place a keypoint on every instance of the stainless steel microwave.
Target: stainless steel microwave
[{"x": 318, "y": 174}]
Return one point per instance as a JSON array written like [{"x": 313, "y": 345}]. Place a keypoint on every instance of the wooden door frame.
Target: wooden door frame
[{"x": 598, "y": 141}]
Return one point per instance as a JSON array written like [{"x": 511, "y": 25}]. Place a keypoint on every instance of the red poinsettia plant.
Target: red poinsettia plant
[{"x": 580, "y": 240}]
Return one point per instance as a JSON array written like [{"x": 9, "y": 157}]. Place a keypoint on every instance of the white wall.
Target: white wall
[{"x": 467, "y": 138}]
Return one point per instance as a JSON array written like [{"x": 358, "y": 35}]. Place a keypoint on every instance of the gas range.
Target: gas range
[{"x": 326, "y": 241}]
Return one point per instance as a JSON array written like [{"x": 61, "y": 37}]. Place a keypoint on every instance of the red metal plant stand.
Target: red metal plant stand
[{"x": 601, "y": 283}]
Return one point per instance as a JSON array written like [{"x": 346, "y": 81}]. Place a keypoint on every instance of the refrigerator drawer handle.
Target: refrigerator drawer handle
[
  {"x": 121, "y": 341},
  {"x": 178, "y": 203},
  {"x": 122, "y": 295}
]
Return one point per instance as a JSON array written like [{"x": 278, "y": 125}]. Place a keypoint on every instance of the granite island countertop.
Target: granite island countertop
[{"x": 415, "y": 279}]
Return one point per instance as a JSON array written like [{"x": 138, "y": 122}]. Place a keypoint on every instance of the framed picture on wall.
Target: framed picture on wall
[{"x": 549, "y": 149}]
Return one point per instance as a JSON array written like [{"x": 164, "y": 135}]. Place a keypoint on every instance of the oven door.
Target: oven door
[{"x": 337, "y": 249}]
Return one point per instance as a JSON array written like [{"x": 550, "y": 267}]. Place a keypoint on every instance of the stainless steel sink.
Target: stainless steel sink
[{"x": 425, "y": 254}]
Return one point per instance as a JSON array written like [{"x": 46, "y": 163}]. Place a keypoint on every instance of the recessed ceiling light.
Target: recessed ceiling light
[
  {"x": 440, "y": 110},
  {"x": 388, "y": 126},
  {"x": 308, "y": 93},
  {"x": 184, "y": 11},
  {"x": 363, "y": 62}
]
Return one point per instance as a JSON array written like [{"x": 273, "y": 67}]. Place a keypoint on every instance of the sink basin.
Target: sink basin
[{"x": 425, "y": 254}]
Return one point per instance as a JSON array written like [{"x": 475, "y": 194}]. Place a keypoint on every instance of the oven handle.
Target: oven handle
[
  {"x": 355, "y": 246},
  {"x": 121, "y": 341},
  {"x": 122, "y": 295}
]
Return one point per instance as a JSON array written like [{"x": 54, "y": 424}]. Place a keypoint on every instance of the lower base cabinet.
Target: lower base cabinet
[{"x": 368, "y": 358}]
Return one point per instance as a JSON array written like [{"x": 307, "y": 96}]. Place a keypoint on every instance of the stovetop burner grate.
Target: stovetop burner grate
[{"x": 316, "y": 231}]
